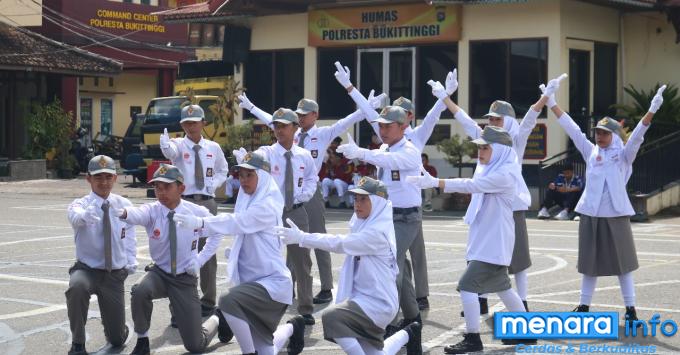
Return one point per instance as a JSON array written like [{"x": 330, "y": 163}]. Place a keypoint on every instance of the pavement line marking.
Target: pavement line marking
[
  {"x": 615, "y": 306},
  {"x": 34, "y": 230},
  {"x": 550, "y": 294},
  {"x": 33, "y": 279},
  {"x": 33, "y": 312},
  {"x": 35, "y": 240}
]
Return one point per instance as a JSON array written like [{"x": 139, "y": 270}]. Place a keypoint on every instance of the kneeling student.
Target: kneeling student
[
  {"x": 262, "y": 287},
  {"x": 367, "y": 299},
  {"x": 176, "y": 260}
]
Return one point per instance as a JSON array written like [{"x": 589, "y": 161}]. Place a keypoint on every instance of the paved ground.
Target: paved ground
[{"x": 36, "y": 250}]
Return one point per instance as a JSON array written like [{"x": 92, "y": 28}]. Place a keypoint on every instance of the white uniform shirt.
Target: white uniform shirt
[
  {"x": 318, "y": 138},
  {"x": 419, "y": 135},
  {"x": 375, "y": 268},
  {"x": 215, "y": 168},
  {"x": 154, "y": 218},
  {"x": 260, "y": 256},
  {"x": 519, "y": 140},
  {"x": 402, "y": 160},
  {"x": 492, "y": 234},
  {"x": 605, "y": 192},
  {"x": 304, "y": 170},
  {"x": 89, "y": 238}
]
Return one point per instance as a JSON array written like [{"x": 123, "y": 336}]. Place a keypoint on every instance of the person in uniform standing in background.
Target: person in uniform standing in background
[
  {"x": 296, "y": 175},
  {"x": 106, "y": 253},
  {"x": 176, "y": 265},
  {"x": 204, "y": 169}
]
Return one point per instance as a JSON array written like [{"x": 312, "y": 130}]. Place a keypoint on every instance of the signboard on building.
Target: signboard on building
[
  {"x": 536, "y": 144},
  {"x": 384, "y": 25}
]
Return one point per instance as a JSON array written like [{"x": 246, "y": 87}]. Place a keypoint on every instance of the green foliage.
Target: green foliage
[
  {"x": 50, "y": 129},
  {"x": 455, "y": 149},
  {"x": 668, "y": 113},
  {"x": 243, "y": 135},
  {"x": 226, "y": 108}
]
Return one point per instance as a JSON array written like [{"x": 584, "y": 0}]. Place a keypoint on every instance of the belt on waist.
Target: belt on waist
[
  {"x": 397, "y": 210},
  {"x": 295, "y": 206},
  {"x": 199, "y": 197}
]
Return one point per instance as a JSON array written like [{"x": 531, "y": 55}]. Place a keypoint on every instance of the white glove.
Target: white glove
[
  {"x": 188, "y": 221},
  {"x": 89, "y": 216},
  {"x": 165, "y": 139},
  {"x": 351, "y": 150},
  {"x": 119, "y": 212},
  {"x": 239, "y": 154},
  {"x": 438, "y": 89},
  {"x": 194, "y": 267},
  {"x": 376, "y": 102},
  {"x": 554, "y": 85},
  {"x": 426, "y": 181},
  {"x": 244, "y": 102},
  {"x": 452, "y": 82},
  {"x": 131, "y": 269},
  {"x": 292, "y": 235},
  {"x": 342, "y": 75},
  {"x": 551, "y": 99},
  {"x": 657, "y": 100}
]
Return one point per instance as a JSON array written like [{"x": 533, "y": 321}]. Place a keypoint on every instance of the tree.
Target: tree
[
  {"x": 455, "y": 149},
  {"x": 226, "y": 108}
]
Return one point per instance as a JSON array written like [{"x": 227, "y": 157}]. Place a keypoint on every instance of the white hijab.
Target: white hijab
[
  {"x": 380, "y": 222},
  {"x": 267, "y": 191},
  {"x": 599, "y": 172},
  {"x": 504, "y": 161}
]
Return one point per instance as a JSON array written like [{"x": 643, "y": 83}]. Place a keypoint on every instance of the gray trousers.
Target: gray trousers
[
  {"x": 109, "y": 288},
  {"x": 300, "y": 262},
  {"x": 317, "y": 224},
  {"x": 208, "y": 275},
  {"x": 419, "y": 261},
  {"x": 183, "y": 295},
  {"x": 406, "y": 229}
]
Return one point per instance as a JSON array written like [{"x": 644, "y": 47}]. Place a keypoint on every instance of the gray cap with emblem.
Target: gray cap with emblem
[
  {"x": 306, "y": 106},
  {"x": 192, "y": 113},
  {"x": 167, "y": 173},
  {"x": 370, "y": 186},
  {"x": 609, "y": 124},
  {"x": 392, "y": 114},
  {"x": 284, "y": 115},
  {"x": 404, "y": 103},
  {"x": 101, "y": 164},
  {"x": 500, "y": 108},
  {"x": 255, "y": 161},
  {"x": 492, "y": 134}
]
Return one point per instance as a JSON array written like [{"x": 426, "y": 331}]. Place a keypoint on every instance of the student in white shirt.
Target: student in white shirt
[
  {"x": 316, "y": 140},
  {"x": 492, "y": 231},
  {"x": 204, "y": 169},
  {"x": 501, "y": 114},
  {"x": 367, "y": 298},
  {"x": 261, "y": 287},
  {"x": 295, "y": 174},
  {"x": 106, "y": 253},
  {"x": 176, "y": 263},
  {"x": 606, "y": 246}
]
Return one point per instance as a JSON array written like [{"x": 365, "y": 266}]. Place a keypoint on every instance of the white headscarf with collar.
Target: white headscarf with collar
[{"x": 600, "y": 171}]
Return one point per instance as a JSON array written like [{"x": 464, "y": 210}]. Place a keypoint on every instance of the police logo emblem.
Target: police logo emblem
[
  {"x": 362, "y": 181},
  {"x": 494, "y": 106},
  {"x": 247, "y": 157},
  {"x": 603, "y": 122},
  {"x": 190, "y": 111},
  {"x": 162, "y": 170},
  {"x": 278, "y": 113},
  {"x": 399, "y": 101},
  {"x": 102, "y": 162}
]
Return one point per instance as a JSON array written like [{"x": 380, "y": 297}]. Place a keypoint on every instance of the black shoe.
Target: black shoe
[
  {"x": 296, "y": 342},
  {"x": 582, "y": 308},
  {"x": 77, "y": 349},
  {"x": 423, "y": 303},
  {"x": 526, "y": 306},
  {"x": 405, "y": 322},
  {"x": 631, "y": 316},
  {"x": 207, "y": 311},
  {"x": 483, "y": 307},
  {"x": 173, "y": 323},
  {"x": 471, "y": 342},
  {"x": 309, "y": 319},
  {"x": 224, "y": 333},
  {"x": 519, "y": 341},
  {"x": 142, "y": 347},
  {"x": 390, "y": 330},
  {"x": 414, "y": 345},
  {"x": 324, "y": 296}
]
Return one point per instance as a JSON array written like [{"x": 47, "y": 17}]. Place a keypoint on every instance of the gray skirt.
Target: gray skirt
[
  {"x": 521, "y": 260},
  {"x": 480, "y": 277},
  {"x": 606, "y": 246},
  {"x": 348, "y": 320},
  {"x": 251, "y": 302}
]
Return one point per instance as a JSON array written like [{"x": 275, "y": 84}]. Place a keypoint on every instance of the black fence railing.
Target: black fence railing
[{"x": 549, "y": 168}]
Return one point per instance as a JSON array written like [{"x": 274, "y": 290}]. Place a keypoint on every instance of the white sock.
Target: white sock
[
  {"x": 262, "y": 347},
  {"x": 349, "y": 345},
  {"x": 143, "y": 335},
  {"x": 627, "y": 289},
  {"x": 281, "y": 335},
  {"x": 522, "y": 284},
  {"x": 394, "y": 343},
  {"x": 587, "y": 289},
  {"x": 511, "y": 300},
  {"x": 369, "y": 349},
  {"x": 471, "y": 310},
  {"x": 484, "y": 295},
  {"x": 241, "y": 331}
]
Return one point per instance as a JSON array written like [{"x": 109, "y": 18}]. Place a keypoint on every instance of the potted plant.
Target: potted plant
[
  {"x": 455, "y": 149},
  {"x": 51, "y": 130}
]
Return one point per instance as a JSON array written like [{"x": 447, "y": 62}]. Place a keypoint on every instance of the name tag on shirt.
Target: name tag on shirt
[
  {"x": 122, "y": 233},
  {"x": 209, "y": 172},
  {"x": 395, "y": 175},
  {"x": 193, "y": 245},
  {"x": 300, "y": 182},
  {"x": 315, "y": 153}
]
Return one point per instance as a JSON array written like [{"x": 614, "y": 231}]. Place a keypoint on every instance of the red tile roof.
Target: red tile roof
[{"x": 199, "y": 10}]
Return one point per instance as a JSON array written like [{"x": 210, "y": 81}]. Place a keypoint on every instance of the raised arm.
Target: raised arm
[
  {"x": 424, "y": 130},
  {"x": 637, "y": 137},
  {"x": 370, "y": 242},
  {"x": 168, "y": 146},
  {"x": 245, "y": 103},
  {"x": 494, "y": 183}
]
